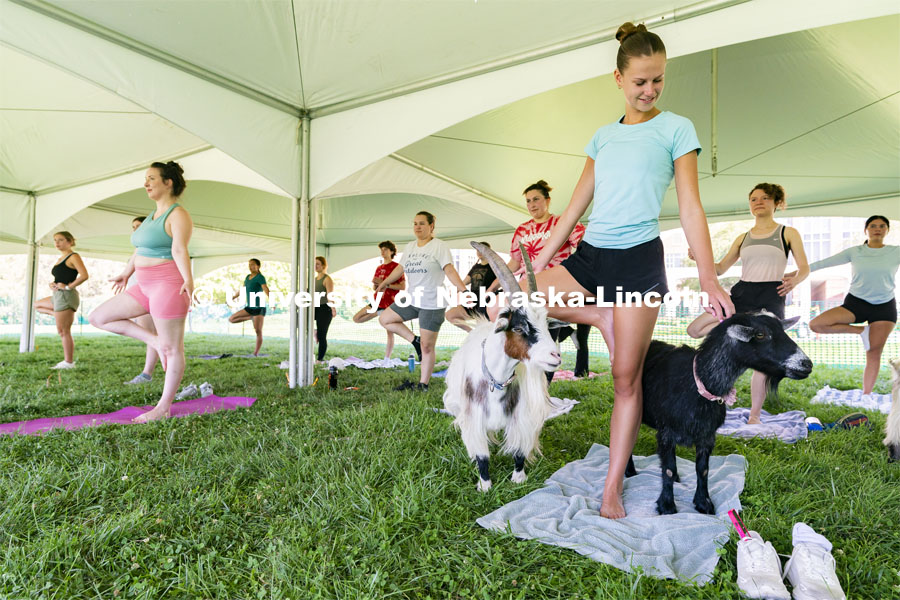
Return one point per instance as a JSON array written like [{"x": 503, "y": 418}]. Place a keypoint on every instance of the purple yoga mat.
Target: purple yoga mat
[{"x": 197, "y": 406}]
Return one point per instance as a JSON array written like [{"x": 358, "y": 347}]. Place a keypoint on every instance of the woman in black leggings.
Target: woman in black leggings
[{"x": 323, "y": 313}]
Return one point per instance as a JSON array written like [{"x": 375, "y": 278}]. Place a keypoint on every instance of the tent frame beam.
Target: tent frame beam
[
  {"x": 457, "y": 183},
  {"x": 672, "y": 16}
]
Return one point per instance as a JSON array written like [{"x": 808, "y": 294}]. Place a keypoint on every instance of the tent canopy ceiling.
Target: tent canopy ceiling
[
  {"x": 814, "y": 110},
  {"x": 310, "y": 54}
]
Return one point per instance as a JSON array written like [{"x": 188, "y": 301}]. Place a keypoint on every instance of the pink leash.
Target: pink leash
[{"x": 738, "y": 523}]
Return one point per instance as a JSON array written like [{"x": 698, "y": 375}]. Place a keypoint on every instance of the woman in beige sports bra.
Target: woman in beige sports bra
[{"x": 763, "y": 252}]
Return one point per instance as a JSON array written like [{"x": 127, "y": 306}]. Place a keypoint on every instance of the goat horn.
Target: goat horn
[
  {"x": 506, "y": 277},
  {"x": 532, "y": 281}
]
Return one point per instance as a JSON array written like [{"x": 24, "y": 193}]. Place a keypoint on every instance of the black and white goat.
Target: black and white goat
[
  {"x": 496, "y": 380},
  {"x": 892, "y": 427},
  {"x": 685, "y": 390}
]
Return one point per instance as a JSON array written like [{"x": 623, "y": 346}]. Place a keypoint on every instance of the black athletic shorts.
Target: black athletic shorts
[
  {"x": 751, "y": 296},
  {"x": 256, "y": 311},
  {"x": 641, "y": 268},
  {"x": 867, "y": 312}
]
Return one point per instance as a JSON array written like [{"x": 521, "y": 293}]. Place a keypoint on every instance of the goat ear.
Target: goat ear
[
  {"x": 502, "y": 324},
  {"x": 741, "y": 333},
  {"x": 788, "y": 323}
]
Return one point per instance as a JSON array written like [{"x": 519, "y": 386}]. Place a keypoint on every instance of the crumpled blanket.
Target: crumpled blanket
[
  {"x": 788, "y": 426},
  {"x": 566, "y": 513}
]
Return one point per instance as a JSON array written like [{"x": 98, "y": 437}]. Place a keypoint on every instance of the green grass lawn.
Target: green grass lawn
[{"x": 313, "y": 493}]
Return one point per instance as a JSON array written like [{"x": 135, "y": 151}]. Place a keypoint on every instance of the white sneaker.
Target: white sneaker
[
  {"x": 64, "y": 365},
  {"x": 759, "y": 569},
  {"x": 811, "y": 571},
  {"x": 188, "y": 392},
  {"x": 867, "y": 345},
  {"x": 205, "y": 389}
]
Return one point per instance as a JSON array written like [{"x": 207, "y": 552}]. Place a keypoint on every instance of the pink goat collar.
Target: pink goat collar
[{"x": 728, "y": 399}]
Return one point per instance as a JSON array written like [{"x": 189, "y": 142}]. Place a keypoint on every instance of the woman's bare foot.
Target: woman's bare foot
[
  {"x": 612, "y": 507},
  {"x": 751, "y": 420},
  {"x": 152, "y": 415}
]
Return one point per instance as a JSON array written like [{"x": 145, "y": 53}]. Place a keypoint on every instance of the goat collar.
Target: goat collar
[
  {"x": 495, "y": 385},
  {"x": 728, "y": 399}
]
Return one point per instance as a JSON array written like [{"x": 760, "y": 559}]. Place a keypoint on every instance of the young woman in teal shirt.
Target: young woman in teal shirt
[
  {"x": 254, "y": 283},
  {"x": 871, "y": 297},
  {"x": 629, "y": 166}
]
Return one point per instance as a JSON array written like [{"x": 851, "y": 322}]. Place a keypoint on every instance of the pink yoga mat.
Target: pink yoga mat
[{"x": 197, "y": 406}]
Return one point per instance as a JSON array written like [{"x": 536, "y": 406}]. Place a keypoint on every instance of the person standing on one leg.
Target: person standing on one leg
[
  {"x": 426, "y": 261},
  {"x": 533, "y": 235},
  {"x": 388, "y": 251},
  {"x": 151, "y": 358},
  {"x": 254, "y": 284},
  {"x": 165, "y": 284},
  {"x": 630, "y": 164},
  {"x": 68, "y": 273},
  {"x": 871, "y": 298},
  {"x": 763, "y": 252}
]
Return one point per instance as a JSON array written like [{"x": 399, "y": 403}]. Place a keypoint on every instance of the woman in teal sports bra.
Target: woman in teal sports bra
[{"x": 165, "y": 284}]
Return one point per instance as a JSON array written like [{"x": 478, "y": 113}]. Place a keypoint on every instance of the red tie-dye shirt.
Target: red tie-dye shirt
[
  {"x": 382, "y": 272},
  {"x": 535, "y": 235}
]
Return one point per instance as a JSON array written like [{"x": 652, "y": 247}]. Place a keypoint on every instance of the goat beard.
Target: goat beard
[{"x": 772, "y": 387}]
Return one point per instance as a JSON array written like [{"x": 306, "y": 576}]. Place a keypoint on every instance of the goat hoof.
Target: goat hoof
[
  {"x": 666, "y": 508},
  {"x": 519, "y": 477},
  {"x": 894, "y": 453},
  {"x": 483, "y": 485},
  {"x": 676, "y": 478},
  {"x": 705, "y": 506}
]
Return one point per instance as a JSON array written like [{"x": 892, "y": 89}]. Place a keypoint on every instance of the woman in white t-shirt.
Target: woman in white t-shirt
[{"x": 426, "y": 261}]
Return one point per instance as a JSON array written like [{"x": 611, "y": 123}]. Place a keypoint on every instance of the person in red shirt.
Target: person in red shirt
[
  {"x": 533, "y": 234},
  {"x": 388, "y": 251}
]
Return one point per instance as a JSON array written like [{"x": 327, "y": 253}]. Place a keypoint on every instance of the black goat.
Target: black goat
[{"x": 685, "y": 390}]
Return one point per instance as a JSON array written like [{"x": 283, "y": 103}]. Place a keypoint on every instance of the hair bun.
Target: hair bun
[{"x": 628, "y": 29}]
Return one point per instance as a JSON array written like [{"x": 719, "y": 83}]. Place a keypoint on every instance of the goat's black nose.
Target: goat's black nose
[{"x": 806, "y": 364}]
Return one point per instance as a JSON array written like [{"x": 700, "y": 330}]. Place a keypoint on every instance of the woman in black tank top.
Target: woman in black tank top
[{"x": 68, "y": 273}]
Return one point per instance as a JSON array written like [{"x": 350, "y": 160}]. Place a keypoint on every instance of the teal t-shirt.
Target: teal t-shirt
[
  {"x": 254, "y": 285},
  {"x": 633, "y": 166},
  {"x": 873, "y": 271}
]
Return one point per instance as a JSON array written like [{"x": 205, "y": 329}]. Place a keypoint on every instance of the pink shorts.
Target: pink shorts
[{"x": 157, "y": 289}]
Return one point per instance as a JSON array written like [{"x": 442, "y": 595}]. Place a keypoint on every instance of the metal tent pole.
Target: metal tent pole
[
  {"x": 307, "y": 250},
  {"x": 26, "y": 339},
  {"x": 295, "y": 287}
]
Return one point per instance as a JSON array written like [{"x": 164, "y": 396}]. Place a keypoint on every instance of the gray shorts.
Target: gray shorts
[
  {"x": 430, "y": 319},
  {"x": 65, "y": 300}
]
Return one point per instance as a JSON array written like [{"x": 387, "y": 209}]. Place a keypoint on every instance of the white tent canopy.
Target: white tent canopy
[{"x": 451, "y": 106}]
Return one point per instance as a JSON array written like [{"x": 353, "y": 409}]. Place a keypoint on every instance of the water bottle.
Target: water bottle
[
  {"x": 412, "y": 362},
  {"x": 332, "y": 378}
]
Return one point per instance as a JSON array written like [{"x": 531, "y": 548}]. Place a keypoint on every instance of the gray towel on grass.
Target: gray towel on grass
[
  {"x": 566, "y": 513},
  {"x": 788, "y": 426}
]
